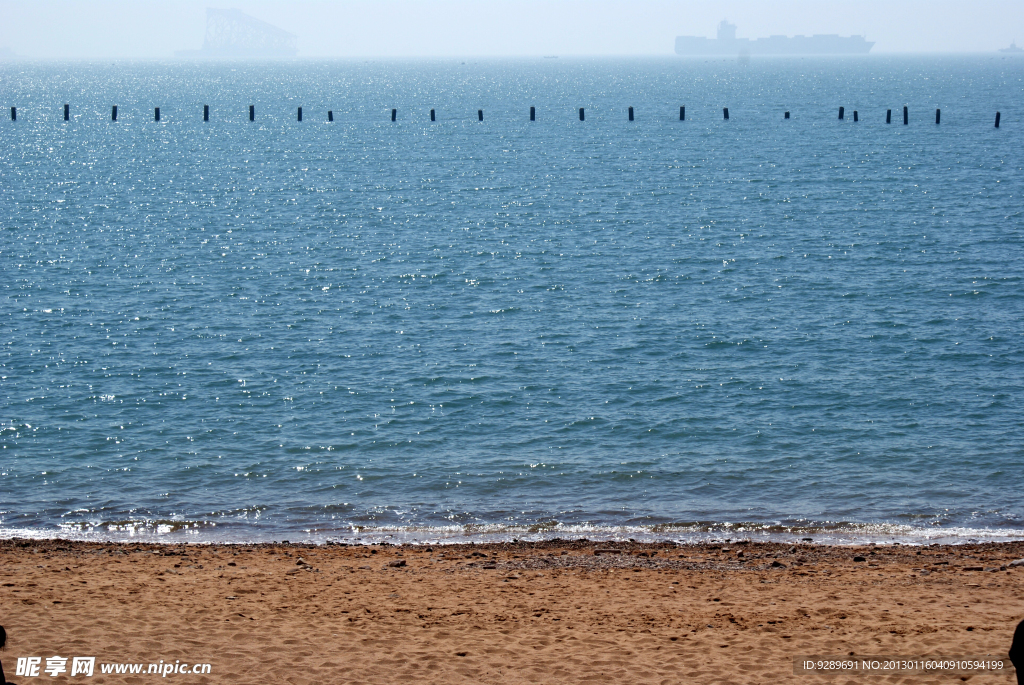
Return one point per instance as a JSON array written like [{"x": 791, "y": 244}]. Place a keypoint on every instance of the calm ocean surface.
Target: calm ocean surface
[{"x": 414, "y": 330}]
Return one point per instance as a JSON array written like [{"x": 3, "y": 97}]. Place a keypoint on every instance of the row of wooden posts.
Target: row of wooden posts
[{"x": 480, "y": 114}]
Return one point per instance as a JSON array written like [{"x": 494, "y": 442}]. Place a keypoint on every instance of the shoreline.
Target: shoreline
[
  {"x": 855, "y": 535},
  {"x": 555, "y": 611},
  {"x": 732, "y": 553}
]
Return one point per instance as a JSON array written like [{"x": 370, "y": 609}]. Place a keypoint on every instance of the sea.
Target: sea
[{"x": 485, "y": 328}]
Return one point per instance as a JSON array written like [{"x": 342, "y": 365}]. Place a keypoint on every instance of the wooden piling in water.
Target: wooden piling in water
[
  {"x": 533, "y": 114},
  {"x": 14, "y": 113},
  {"x": 997, "y": 119}
]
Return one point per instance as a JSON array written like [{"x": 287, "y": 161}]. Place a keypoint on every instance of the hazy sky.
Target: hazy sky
[{"x": 435, "y": 28}]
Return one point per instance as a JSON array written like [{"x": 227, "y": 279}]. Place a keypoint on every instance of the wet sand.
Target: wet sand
[{"x": 554, "y": 612}]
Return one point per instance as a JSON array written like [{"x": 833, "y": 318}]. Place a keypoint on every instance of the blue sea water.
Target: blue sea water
[{"x": 371, "y": 330}]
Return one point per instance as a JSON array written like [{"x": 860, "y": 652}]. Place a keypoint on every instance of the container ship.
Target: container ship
[{"x": 728, "y": 44}]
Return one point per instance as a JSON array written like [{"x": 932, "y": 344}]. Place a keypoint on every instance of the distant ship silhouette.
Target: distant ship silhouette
[
  {"x": 728, "y": 44},
  {"x": 1012, "y": 49}
]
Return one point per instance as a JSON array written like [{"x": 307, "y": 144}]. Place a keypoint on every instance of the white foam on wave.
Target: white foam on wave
[{"x": 164, "y": 531}]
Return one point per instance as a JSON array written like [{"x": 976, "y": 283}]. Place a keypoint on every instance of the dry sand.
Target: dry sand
[{"x": 553, "y": 612}]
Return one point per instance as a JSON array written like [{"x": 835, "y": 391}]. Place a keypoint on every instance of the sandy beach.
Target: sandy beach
[{"x": 554, "y": 612}]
